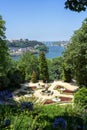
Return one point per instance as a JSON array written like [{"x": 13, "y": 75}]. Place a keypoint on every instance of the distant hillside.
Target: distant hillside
[
  {"x": 22, "y": 43},
  {"x": 25, "y": 43},
  {"x": 56, "y": 43}
]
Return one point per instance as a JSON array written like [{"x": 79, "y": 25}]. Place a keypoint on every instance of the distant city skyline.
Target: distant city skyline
[{"x": 42, "y": 20}]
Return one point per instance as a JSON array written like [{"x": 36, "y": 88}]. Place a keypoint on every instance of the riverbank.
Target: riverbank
[
  {"x": 19, "y": 51},
  {"x": 54, "y": 51}
]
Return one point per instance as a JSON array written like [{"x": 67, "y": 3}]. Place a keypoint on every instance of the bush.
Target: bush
[
  {"x": 80, "y": 97},
  {"x": 15, "y": 78},
  {"x": 4, "y": 81}
]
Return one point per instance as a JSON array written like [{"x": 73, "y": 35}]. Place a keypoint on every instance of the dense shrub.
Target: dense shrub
[
  {"x": 50, "y": 117},
  {"x": 4, "y": 81},
  {"x": 81, "y": 97}
]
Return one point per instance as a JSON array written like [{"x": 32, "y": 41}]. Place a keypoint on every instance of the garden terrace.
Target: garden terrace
[{"x": 44, "y": 93}]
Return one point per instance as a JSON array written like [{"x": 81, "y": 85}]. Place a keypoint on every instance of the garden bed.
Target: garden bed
[
  {"x": 62, "y": 99},
  {"x": 48, "y": 101},
  {"x": 65, "y": 99},
  {"x": 68, "y": 91},
  {"x": 33, "y": 87}
]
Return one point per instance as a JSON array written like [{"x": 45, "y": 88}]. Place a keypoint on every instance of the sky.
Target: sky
[{"x": 42, "y": 20}]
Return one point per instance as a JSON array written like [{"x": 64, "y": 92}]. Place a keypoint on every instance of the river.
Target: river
[{"x": 54, "y": 51}]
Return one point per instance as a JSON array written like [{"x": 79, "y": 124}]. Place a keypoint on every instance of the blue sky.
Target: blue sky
[{"x": 42, "y": 20}]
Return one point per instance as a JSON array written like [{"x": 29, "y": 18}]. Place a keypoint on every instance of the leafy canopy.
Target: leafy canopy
[
  {"x": 27, "y": 64},
  {"x": 81, "y": 97},
  {"x": 76, "y": 5},
  {"x": 4, "y": 55},
  {"x": 75, "y": 55}
]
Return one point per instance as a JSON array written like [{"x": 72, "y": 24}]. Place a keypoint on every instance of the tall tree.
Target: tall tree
[
  {"x": 43, "y": 67},
  {"x": 34, "y": 77},
  {"x": 4, "y": 55},
  {"x": 76, "y": 54},
  {"x": 66, "y": 73},
  {"x": 55, "y": 68}
]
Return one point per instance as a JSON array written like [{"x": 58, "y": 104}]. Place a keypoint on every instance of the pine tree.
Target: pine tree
[
  {"x": 34, "y": 77},
  {"x": 43, "y": 67}
]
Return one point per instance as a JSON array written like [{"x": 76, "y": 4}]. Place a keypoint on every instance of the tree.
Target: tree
[
  {"x": 80, "y": 97},
  {"x": 42, "y": 48},
  {"x": 76, "y": 5},
  {"x": 4, "y": 55},
  {"x": 75, "y": 55},
  {"x": 55, "y": 68},
  {"x": 27, "y": 64},
  {"x": 43, "y": 67},
  {"x": 34, "y": 77},
  {"x": 15, "y": 78},
  {"x": 66, "y": 73}
]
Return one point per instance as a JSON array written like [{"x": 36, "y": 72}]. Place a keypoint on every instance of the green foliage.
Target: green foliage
[
  {"x": 27, "y": 64},
  {"x": 76, "y": 5},
  {"x": 15, "y": 78},
  {"x": 4, "y": 81},
  {"x": 66, "y": 73},
  {"x": 24, "y": 43},
  {"x": 41, "y": 118},
  {"x": 80, "y": 97},
  {"x": 4, "y": 55},
  {"x": 75, "y": 56},
  {"x": 55, "y": 68},
  {"x": 34, "y": 77},
  {"x": 42, "y": 48},
  {"x": 43, "y": 67}
]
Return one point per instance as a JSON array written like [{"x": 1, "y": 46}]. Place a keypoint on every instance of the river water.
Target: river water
[{"x": 54, "y": 51}]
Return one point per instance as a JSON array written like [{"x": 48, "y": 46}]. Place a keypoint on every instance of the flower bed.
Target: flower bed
[
  {"x": 60, "y": 123},
  {"x": 62, "y": 99},
  {"x": 5, "y": 95},
  {"x": 48, "y": 101},
  {"x": 33, "y": 87},
  {"x": 68, "y": 91},
  {"x": 43, "y": 86},
  {"x": 65, "y": 99}
]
